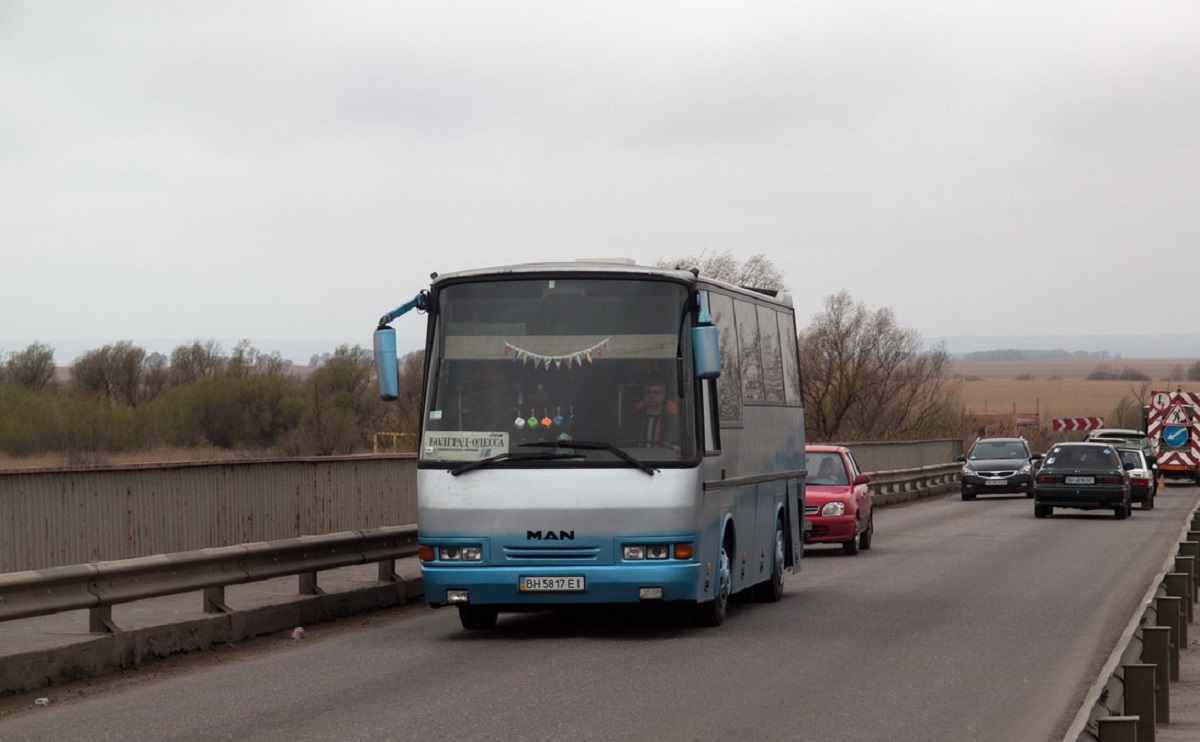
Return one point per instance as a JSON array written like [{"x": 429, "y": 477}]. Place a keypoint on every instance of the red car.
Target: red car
[{"x": 838, "y": 508}]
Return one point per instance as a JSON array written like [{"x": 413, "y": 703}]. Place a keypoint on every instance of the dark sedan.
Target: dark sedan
[
  {"x": 1087, "y": 476},
  {"x": 996, "y": 466}
]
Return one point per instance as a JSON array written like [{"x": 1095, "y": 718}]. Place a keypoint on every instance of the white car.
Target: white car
[{"x": 1142, "y": 483}]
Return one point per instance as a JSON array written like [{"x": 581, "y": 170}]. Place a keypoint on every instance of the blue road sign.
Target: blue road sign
[{"x": 1175, "y": 436}]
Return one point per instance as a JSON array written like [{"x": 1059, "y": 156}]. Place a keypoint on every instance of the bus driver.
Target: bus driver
[{"x": 654, "y": 417}]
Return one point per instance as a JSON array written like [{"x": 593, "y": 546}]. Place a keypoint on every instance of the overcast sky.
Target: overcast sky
[{"x": 293, "y": 170}]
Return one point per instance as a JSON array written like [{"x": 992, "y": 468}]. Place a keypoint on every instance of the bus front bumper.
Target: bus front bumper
[{"x": 562, "y": 585}]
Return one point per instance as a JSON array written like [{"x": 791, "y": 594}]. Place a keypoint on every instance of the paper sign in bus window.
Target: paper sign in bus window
[{"x": 463, "y": 445}]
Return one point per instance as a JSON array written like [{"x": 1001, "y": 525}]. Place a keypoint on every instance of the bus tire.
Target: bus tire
[
  {"x": 712, "y": 612},
  {"x": 772, "y": 590},
  {"x": 477, "y": 617}
]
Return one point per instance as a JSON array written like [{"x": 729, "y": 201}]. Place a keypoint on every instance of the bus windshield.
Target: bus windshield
[{"x": 527, "y": 365}]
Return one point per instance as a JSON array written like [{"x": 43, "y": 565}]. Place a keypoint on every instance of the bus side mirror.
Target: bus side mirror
[
  {"x": 706, "y": 349},
  {"x": 386, "y": 365}
]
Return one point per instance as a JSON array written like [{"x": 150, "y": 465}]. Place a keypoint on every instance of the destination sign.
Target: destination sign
[{"x": 463, "y": 445}]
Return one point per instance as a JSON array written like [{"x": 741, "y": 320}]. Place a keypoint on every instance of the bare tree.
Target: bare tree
[
  {"x": 757, "y": 272},
  {"x": 114, "y": 371},
  {"x": 32, "y": 368},
  {"x": 1128, "y": 413},
  {"x": 867, "y": 378},
  {"x": 408, "y": 405},
  {"x": 338, "y": 413},
  {"x": 246, "y": 360},
  {"x": 190, "y": 363}
]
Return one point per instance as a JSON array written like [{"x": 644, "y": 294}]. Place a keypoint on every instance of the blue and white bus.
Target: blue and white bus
[{"x": 601, "y": 432}]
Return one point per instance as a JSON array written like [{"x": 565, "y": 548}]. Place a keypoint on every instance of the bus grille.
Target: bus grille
[{"x": 539, "y": 553}]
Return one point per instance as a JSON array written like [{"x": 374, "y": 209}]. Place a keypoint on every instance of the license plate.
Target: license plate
[
  {"x": 995, "y": 482},
  {"x": 572, "y": 584},
  {"x": 1080, "y": 480}
]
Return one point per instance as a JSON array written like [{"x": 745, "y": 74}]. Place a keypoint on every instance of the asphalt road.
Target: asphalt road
[{"x": 965, "y": 621}]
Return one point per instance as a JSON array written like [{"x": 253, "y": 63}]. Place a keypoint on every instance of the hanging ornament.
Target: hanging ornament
[
  {"x": 570, "y": 360},
  {"x": 532, "y": 421},
  {"x": 558, "y": 418},
  {"x": 546, "y": 421},
  {"x": 520, "y": 421}
]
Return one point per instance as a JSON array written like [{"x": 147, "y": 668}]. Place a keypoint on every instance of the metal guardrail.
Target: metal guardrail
[
  {"x": 98, "y": 586},
  {"x": 1132, "y": 696},
  {"x": 902, "y": 485}
]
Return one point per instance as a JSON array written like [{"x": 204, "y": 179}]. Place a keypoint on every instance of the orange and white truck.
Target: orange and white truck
[{"x": 1173, "y": 425}]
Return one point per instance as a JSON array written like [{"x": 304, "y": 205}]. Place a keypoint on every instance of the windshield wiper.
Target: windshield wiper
[
  {"x": 597, "y": 446},
  {"x": 558, "y": 456}
]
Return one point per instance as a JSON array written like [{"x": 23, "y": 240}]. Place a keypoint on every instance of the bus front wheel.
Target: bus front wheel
[
  {"x": 477, "y": 617},
  {"x": 712, "y": 612}
]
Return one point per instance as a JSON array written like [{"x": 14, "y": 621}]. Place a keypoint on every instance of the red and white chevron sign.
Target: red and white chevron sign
[{"x": 1077, "y": 423}]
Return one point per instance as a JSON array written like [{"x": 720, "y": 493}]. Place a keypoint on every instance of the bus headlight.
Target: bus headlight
[
  {"x": 638, "y": 552},
  {"x": 469, "y": 553},
  {"x": 658, "y": 551}
]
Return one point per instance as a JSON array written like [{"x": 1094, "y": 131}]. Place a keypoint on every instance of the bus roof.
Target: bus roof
[{"x": 595, "y": 266}]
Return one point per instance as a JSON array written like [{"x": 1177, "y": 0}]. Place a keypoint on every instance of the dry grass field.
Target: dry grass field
[{"x": 1060, "y": 388}]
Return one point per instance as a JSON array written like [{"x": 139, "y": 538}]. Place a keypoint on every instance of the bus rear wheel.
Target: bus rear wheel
[
  {"x": 712, "y": 612},
  {"x": 772, "y": 590},
  {"x": 477, "y": 617}
]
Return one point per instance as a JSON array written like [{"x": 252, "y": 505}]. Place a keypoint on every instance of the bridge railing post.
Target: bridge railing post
[
  {"x": 1169, "y": 614},
  {"x": 1156, "y": 650},
  {"x": 1139, "y": 698}
]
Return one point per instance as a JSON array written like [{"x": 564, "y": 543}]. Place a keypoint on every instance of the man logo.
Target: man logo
[{"x": 549, "y": 535}]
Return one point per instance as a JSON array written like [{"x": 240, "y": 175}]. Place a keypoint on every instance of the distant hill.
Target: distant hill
[
  {"x": 1012, "y": 354},
  {"x": 1090, "y": 346}
]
